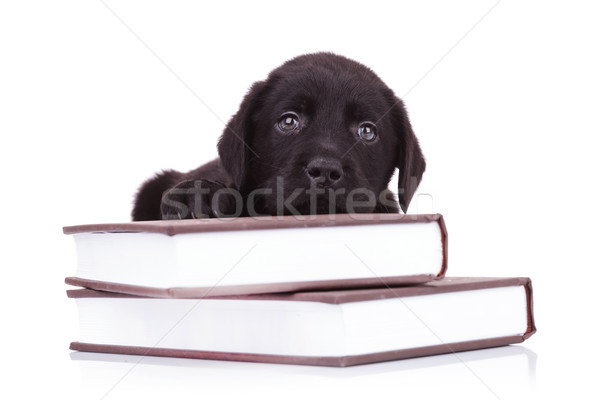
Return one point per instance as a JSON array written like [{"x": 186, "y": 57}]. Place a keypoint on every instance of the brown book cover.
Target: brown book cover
[
  {"x": 177, "y": 227},
  {"x": 336, "y": 297}
]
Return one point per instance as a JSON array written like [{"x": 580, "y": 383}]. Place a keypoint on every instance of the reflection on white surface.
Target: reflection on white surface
[{"x": 504, "y": 372}]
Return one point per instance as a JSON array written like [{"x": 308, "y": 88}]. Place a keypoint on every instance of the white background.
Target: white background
[{"x": 96, "y": 97}]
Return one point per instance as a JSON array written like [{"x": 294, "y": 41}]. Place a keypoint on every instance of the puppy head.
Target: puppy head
[{"x": 322, "y": 134}]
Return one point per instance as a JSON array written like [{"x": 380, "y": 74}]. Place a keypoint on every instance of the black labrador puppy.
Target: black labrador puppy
[{"x": 322, "y": 134}]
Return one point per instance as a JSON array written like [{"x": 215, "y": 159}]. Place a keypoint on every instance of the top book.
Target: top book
[{"x": 197, "y": 258}]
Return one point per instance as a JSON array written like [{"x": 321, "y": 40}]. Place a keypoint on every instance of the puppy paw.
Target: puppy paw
[{"x": 199, "y": 199}]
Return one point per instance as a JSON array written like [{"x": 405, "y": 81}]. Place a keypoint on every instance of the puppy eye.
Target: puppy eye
[
  {"x": 367, "y": 131},
  {"x": 288, "y": 122}
]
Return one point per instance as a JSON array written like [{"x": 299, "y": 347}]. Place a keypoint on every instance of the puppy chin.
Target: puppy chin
[
  {"x": 321, "y": 205},
  {"x": 307, "y": 203}
]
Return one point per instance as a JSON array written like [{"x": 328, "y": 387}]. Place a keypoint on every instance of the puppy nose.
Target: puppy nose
[{"x": 324, "y": 171}]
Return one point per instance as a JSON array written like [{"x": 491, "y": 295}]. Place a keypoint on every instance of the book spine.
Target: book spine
[{"x": 444, "y": 235}]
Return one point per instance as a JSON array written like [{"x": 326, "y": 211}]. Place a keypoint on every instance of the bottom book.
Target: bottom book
[{"x": 328, "y": 328}]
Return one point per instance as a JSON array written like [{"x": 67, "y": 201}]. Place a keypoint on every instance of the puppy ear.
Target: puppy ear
[
  {"x": 411, "y": 163},
  {"x": 233, "y": 147}
]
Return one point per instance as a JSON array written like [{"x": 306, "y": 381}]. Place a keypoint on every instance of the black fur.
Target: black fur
[{"x": 322, "y": 166}]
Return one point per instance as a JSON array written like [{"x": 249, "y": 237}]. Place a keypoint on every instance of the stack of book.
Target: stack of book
[{"x": 334, "y": 290}]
